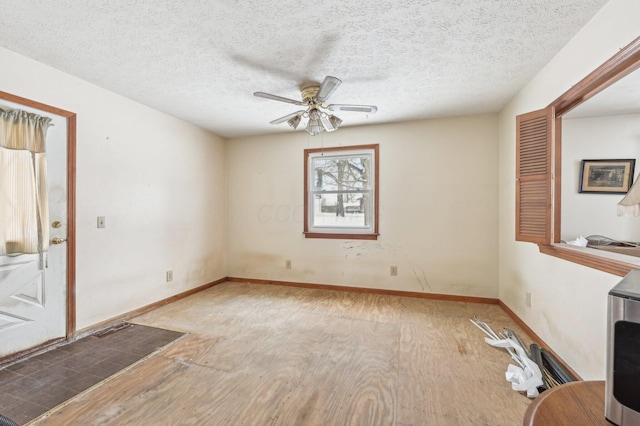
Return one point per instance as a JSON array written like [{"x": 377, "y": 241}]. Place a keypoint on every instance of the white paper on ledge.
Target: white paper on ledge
[{"x": 580, "y": 241}]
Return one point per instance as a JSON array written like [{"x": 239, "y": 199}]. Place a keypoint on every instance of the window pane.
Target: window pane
[
  {"x": 341, "y": 210},
  {"x": 341, "y": 173},
  {"x": 341, "y": 192}
]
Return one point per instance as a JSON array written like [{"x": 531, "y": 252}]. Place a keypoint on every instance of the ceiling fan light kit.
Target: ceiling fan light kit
[
  {"x": 313, "y": 97},
  {"x": 294, "y": 122}
]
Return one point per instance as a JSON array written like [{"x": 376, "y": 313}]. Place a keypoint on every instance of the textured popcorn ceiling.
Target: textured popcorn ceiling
[{"x": 201, "y": 60}]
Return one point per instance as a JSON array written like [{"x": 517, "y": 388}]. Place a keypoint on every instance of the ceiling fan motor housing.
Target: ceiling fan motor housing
[{"x": 309, "y": 93}]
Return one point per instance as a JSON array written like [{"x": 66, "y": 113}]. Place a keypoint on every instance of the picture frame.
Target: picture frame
[{"x": 606, "y": 176}]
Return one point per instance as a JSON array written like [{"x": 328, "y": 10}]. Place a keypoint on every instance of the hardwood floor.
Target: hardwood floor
[{"x": 263, "y": 355}]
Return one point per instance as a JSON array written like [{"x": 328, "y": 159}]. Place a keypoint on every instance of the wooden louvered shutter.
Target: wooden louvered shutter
[{"x": 534, "y": 192}]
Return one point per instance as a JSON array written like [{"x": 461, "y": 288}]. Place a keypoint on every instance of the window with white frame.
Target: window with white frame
[{"x": 341, "y": 192}]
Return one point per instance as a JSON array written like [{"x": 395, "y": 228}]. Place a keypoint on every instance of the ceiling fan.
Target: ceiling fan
[{"x": 320, "y": 115}]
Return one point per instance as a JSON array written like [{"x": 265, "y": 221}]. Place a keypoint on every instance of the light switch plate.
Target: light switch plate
[{"x": 101, "y": 222}]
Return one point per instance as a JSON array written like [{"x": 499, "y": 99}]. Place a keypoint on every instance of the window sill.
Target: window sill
[
  {"x": 613, "y": 263},
  {"x": 341, "y": 236}
]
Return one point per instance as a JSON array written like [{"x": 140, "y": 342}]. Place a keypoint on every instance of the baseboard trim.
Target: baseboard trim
[
  {"x": 536, "y": 338},
  {"x": 143, "y": 310},
  {"x": 436, "y": 296}
]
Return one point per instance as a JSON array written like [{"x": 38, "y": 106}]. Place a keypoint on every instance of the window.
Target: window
[
  {"x": 539, "y": 170},
  {"x": 341, "y": 192}
]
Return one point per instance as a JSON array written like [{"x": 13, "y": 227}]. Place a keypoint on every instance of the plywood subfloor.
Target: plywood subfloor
[{"x": 269, "y": 355}]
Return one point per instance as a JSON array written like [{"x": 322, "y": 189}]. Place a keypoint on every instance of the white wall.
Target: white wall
[
  {"x": 438, "y": 209},
  {"x": 568, "y": 300},
  {"x": 596, "y": 138},
  {"x": 161, "y": 183}
]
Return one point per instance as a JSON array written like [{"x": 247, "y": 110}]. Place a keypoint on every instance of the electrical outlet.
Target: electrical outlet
[
  {"x": 528, "y": 299},
  {"x": 394, "y": 271},
  {"x": 169, "y": 276},
  {"x": 101, "y": 222},
  {"x": 287, "y": 264}
]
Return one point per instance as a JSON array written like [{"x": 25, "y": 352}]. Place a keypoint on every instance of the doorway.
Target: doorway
[{"x": 37, "y": 306}]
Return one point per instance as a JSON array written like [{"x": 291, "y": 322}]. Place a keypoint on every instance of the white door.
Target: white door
[{"x": 33, "y": 301}]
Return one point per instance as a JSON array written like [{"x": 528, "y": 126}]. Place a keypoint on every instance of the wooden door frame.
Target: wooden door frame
[{"x": 71, "y": 201}]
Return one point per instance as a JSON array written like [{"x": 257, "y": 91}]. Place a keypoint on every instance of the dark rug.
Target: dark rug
[{"x": 31, "y": 387}]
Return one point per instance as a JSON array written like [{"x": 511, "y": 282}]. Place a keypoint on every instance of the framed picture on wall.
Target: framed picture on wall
[{"x": 606, "y": 176}]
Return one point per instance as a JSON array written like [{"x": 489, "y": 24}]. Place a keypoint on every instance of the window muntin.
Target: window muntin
[{"x": 340, "y": 192}]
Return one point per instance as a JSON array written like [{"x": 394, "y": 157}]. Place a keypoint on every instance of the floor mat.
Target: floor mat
[{"x": 35, "y": 385}]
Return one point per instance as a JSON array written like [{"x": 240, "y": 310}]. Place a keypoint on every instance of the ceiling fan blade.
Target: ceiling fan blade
[
  {"x": 356, "y": 108},
  {"x": 279, "y": 98},
  {"x": 328, "y": 86},
  {"x": 287, "y": 117}
]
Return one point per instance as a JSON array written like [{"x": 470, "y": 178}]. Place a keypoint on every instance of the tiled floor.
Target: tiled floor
[{"x": 32, "y": 387}]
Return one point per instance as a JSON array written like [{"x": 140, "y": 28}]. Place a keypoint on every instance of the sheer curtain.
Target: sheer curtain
[{"x": 24, "y": 210}]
